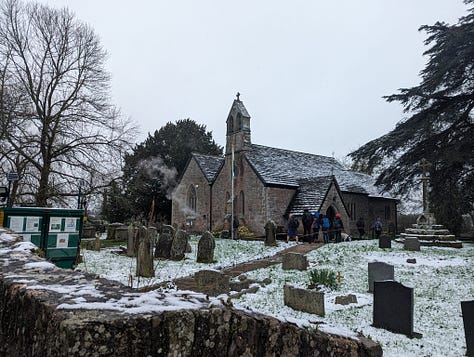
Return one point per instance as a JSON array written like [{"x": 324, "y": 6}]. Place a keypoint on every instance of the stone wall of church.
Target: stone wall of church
[
  {"x": 182, "y": 215},
  {"x": 386, "y": 210},
  {"x": 357, "y": 206},
  {"x": 334, "y": 200}
]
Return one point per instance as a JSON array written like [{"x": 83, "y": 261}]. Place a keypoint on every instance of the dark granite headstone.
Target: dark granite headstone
[
  {"x": 206, "y": 246},
  {"x": 385, "y": 241},
  {"x": 379, "y": 271},
  {"x": 467, "y": 308},
  {"x": 393, "y": 307}
]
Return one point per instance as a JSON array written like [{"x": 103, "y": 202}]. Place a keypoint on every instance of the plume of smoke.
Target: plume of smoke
[{"x": 154, "y": 166}]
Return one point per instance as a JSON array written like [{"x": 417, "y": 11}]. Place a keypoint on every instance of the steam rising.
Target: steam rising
[{"x": 154, "y": 167}]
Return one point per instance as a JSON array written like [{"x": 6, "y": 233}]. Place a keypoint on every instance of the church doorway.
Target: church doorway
[{"x": 330, "y": 213}]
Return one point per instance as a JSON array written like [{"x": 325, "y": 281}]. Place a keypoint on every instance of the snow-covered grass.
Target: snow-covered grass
[{"x": 441, "y": 278}]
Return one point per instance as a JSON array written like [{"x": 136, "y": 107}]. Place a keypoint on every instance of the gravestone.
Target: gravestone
[
  {"x": 179, "y": 244},
  {"x": 346, "y": 299},
  {"x": 164, "y": 242},
  {"x": 467, "y": 308},
  {"x": 206, "y": 246},
  {"x": 111, "y": 230},
  {"x": 144, "y": 255},
  {"x": 385, "y": 241},
  {"x": 270, "y": 233},
  {"x": 393, "y": 307},
  {"x": 295, "y": 261},
  {"x": 412, "y": 244},
  {"x": 121, "y": 233},
  {"x": 379, "y": 271},
  {"x": 132, "y": 240},
  {"x": 306, "y": 300},
  {"x": 212, "y": 282}
]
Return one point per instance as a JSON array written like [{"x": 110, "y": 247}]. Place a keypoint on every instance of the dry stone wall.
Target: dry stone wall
[{"x": 48, "y": 311}]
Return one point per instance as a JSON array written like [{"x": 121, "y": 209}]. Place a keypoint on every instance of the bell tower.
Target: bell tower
[{"x": 238, "y": 128}]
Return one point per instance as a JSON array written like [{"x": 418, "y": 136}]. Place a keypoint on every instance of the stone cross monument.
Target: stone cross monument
[{"x": 426, "y": 218}]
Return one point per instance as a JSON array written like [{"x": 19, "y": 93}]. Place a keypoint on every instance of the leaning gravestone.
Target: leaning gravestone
[
  {"x": 270, "y": 233},
  {"x": 467, "y": 308},
  {"x": 306, "y": 300},
  {"x": 212, "y": 282},
  {"x": 132, "y": 240},
  {"x": 385, "y": 241},
  {"x": 412, "y": 244},
  {"x": 379, "y": 271},
  {"x": 164, "y": 242},
  {"x": 178, "y": 246},
  {"x": 295, "y": 261},
  {"x": 144, "y": 255},
  {"x": 206, "y": 246},
  {"x": 393, "y": 307}
]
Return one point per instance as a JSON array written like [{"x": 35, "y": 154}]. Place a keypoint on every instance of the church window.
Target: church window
[
  {"x": 239, "y": 121},
  {"x": 230, "y": 124},
  {"x": 191, "y": 199},
  {"x": 352, "y": 211},
  {"x": 228, "y": 203},
  {"x": 242, "y": 203}
]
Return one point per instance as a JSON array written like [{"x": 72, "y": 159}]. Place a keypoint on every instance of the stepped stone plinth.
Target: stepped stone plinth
[{"x": 430, "y": 234}]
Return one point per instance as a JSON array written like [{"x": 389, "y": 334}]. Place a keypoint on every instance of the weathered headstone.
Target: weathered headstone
[
  {"x": 111, "y": 230},
  {"x": 270, "y": 233},
  {"x": 178, "y": 247},
  {"x": 144, "y": 257},
  {"x": 212, "y": 282},
  {"x": 346, "y": 299},
  {"x": 206, "y": 246},
  {"x": 412, "y": 244},
  {"x": 189, "y": 249},
  {"x": 306, "y": 300},
  {"x": 164, "y": 242},
  {"x": 467, "y": 308},
  {"x": 132, "y": 240},
  {"x": 379, "y": 271},
  {"x": 121, "y": 233},
  {"x": 385, "y": 241},
  {"x": 295, "y": 261},
  {"x": 393, "y": 307}
]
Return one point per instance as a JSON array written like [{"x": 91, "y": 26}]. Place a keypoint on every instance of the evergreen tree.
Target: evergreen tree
[
  {"x": 154, "y": 166},
  {"x": 439, "y": 126}
]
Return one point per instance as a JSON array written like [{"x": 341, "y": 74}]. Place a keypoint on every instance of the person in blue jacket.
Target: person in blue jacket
[{"x": 325, "y": 228}]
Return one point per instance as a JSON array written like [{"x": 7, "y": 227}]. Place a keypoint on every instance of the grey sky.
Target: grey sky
[{"x": 311, "y": 73}]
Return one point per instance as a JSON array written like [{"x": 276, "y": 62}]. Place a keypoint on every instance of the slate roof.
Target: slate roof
[
  {"x": 290, "y": 168},
  {"x": 209, "y": 165},
  {"x": 310, "y": 194}
]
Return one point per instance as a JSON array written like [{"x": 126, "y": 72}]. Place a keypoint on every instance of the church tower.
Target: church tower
[{"x": 238, "y": 128}]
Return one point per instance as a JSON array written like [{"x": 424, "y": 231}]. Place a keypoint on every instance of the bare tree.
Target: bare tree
[{"x": 58, "y": 124}]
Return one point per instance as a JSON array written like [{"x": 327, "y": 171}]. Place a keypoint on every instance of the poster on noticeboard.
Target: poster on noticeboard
[
  {"x": 70, "y": 224},
  {"x": 55, "y": 224},
  {"x": 62, "y": 240}
]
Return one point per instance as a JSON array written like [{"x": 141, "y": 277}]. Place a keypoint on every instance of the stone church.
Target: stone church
[{"x": 271, "y": 183}]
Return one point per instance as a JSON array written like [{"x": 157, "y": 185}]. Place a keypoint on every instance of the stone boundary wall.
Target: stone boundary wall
[{"x": 48, "y": 311}]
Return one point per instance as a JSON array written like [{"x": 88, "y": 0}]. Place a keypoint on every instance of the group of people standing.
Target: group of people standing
[{"x": 312, "y": 223}]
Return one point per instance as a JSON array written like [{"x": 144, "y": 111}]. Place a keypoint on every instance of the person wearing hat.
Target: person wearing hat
[{"x": 338, "y": 226}]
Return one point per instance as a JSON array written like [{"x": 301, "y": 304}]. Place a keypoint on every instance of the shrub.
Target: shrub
[{"x": 322, "y": 277}]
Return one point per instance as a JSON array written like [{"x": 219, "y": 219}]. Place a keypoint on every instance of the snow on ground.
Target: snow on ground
[{"x": 441, "y": 278}]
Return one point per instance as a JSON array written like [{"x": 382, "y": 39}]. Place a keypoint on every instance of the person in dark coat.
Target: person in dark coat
[
  {"x": 378, "y": 228},
  {"x": 307, "y": 220},
  {"x": 338, "y": 226},
  {"x": 317, "y": 222},
  {"x": 293, "y": 224}
]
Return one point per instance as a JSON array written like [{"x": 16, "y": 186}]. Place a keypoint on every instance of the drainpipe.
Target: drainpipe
[{"x": 210, "y": 208}]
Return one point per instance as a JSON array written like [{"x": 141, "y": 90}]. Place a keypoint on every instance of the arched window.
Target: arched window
[
  {"x": 239, "y": 121},
  {"x": 191, "y": 198},
  {"x": 228, "y": 203},
  {"x": 242, "y": 203},
  {"x": 230, "y": 124}
]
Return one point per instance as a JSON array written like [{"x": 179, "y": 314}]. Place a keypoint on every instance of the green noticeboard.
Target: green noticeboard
[{"x": 54, "y": 230}]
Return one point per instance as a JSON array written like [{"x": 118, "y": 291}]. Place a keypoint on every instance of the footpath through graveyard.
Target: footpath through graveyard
[{"x": 189, "y": 283}]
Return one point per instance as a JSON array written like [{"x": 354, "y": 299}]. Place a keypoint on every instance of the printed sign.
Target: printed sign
[
  {"x": 16, "y": 224},
  {"x": 62, "y": 240},
  {"x": 32, "y": 224},
  {"x": 70, "y": 224},
  {"x": 55, "y": 224}
]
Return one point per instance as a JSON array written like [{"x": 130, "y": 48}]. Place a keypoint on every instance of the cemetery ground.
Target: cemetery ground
[{"x": 441, "y": 278}]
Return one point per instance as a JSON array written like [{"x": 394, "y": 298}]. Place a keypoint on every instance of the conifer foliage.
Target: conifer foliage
[{"x": 439, "y": 126}]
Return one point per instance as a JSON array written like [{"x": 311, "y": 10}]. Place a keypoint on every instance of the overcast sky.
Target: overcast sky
[{"x": 311, "y": 73}]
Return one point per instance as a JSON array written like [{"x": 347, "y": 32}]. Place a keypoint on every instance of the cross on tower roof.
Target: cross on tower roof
[
  {"x": 238, "y": 96},
  {"x": 425, "y": 165}
]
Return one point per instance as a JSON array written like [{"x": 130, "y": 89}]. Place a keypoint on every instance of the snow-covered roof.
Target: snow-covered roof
[
  {"x": 289, "y": 168},
  {"x": 209, "y": 165},
  {"x": 310, "y": 194}
]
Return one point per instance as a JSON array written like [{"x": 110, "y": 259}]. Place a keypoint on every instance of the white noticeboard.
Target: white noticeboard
[
  {"x": 16, "y": 224},
  {"x": 62, "y": 240},
  {"x": 32, "y": 224}
]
